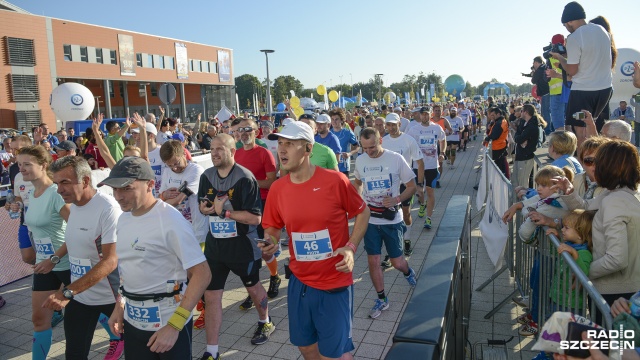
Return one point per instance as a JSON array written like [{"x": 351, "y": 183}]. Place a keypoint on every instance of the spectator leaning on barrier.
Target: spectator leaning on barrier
[
  {"x": 585, "y": 184},
  {"x": 562, "y": 146},
  {"x": 589, "y": 62},
  {"x": 497, "y": 132},
  {"x": 615, "y": 269}
]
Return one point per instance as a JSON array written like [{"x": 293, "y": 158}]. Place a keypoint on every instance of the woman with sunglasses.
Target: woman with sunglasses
[{"x": 585, "y": 184}]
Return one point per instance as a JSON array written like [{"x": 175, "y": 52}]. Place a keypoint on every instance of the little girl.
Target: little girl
[{"x": 576, "y": 240}]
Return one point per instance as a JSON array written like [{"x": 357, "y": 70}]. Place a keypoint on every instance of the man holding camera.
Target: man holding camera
[
  {"x": 588, "y": 62},
  {"x": 539, "y": 78}
]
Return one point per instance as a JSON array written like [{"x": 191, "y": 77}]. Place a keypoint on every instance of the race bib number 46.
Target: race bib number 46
[{"x": 313, "y": 246}]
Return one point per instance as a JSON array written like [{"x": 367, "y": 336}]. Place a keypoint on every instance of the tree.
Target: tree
[
  {"x": 246, "y": 86},
  {"x": 282, "y": 85}
]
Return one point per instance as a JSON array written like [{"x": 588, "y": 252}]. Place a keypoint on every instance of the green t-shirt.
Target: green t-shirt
[
  {"x": 47, "y": 226},
  {"x": 258, "y": 142},
  {"x": 323, "y": 156},
  {"x": 116, "y": 146}
]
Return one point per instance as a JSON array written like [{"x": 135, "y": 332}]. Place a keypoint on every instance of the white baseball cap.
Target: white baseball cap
[
  {"x": 295, "y": 130},
  {"x": 150, "y": 129},
  {"x": 392, "y": 118},
  {"x": 323, "y": 119}
]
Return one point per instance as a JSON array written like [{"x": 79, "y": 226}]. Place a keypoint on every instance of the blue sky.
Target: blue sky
[{"x": 319, "y": 42}]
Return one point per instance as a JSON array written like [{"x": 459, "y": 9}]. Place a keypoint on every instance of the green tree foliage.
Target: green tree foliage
[
  {"x": 246, "y": 86},
  {"x": 282, "y": 85}
]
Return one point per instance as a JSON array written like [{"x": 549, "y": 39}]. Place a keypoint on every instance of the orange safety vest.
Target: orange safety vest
[{"x": 501, "y": 142}]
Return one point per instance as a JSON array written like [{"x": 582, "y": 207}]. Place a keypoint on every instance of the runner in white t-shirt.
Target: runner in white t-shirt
[
  {"x": 431, "y": 139},
  {"x": 406, "y": 146},
  {"x": 157, "y": 253},
  {"x": 154, "y": 153},
  {"x": 90, "y": 237},
  {"x": 467, "y": 117},
  {"x": 453, "y": 140},
  {"x": 378, "y": 176}
]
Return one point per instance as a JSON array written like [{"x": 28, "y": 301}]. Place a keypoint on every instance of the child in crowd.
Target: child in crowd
[
  {"x": 576, "y": 240},
  {"x": 546, "y": 202}
]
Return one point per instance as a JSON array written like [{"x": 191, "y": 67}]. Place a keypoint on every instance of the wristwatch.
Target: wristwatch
[
  {"x": 557, "y": 222},
  {"x": 54, "y": 259},
  {"x": 68, "y": 294}
]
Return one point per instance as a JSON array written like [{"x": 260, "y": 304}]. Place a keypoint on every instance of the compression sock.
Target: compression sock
[
  {"x": 104, "y": 321},
  {"x": 41, "y": 344},
  {"x": 382, "y": 295},
  {"x": 272, "y": 264}
]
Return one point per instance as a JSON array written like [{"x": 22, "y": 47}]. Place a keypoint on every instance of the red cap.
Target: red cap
[{"x": 557, "y": 39}]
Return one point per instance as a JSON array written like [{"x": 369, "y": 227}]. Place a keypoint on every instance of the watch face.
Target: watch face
[{"x": 68, "y": 294}]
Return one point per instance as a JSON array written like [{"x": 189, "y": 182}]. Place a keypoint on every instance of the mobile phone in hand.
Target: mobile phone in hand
[{"x": 204, "y": 199}]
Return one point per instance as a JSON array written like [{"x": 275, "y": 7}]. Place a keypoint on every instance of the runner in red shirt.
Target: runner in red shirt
[{"x": 315, "y": 204}]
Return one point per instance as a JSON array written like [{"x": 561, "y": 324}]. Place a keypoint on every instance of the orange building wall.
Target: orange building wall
[{"x": 18, "y": 25}]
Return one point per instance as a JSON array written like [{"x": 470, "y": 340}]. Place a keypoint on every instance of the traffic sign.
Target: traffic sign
[{"x": 167, "y": 93}]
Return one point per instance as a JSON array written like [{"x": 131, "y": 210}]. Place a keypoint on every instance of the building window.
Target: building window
[
  {"x": 196, "y": 66},
  {"x": 191, "y": 65},
  {"x": 150, "y": 60},
  {"x": 161, "y": 62},
  {"x": 67, "y": 53},
  {"x": 213, "y": 66},
  {"x": 24, "y": 88},
  {"x": 154, "y": 90},
  {"x": 28, "y": 119},
  {"x": 99, "y": 56},
  {"x": 121, "y": 86},
  {"x": 21, "y": 52},
  {"x": 84, "y": 55},
  {"x": 139, "y": 59},
  {"x": 114, "y": 59},
  {"x": 205, "y": 66},
  {"x": 170, "y": 63},
  {"x": 111, "y": 92}
]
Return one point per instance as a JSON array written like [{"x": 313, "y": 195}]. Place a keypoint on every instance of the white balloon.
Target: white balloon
[
  {"x": 72, "y": 101},
  {"x": 623, "y": 88},
  {"x": 390, "y": 96}
]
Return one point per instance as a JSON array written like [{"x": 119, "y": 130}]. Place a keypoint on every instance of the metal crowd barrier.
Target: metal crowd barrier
[
  {"x": 519, "y": 260},
  {"x": 574, "y": 290}
]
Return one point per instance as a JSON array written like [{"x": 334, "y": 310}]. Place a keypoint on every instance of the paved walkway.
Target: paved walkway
[{"x": 372, "y": 338}]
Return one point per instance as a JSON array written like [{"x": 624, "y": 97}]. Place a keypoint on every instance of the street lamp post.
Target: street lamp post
[
  {"x": 379, "y": 84},
  {"x": 269, "y": 104}
]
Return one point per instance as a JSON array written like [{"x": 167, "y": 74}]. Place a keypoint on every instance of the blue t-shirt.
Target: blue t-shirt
[
  {"x": 570, "y": 161},
  {"x": 345, "y": 138},
  {"x": 331, "y": 141}
]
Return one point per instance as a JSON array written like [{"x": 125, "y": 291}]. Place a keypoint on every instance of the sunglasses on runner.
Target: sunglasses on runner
[{"x": 245, "y": 129}]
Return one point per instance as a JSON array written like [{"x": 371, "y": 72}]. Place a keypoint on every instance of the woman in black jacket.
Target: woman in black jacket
[{"x": 526, "y": 144}]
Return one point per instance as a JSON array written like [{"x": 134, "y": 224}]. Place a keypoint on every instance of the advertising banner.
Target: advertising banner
[
  {"x": 182, "y": 61},
  {"x": 127, "y": 55},
  {"x": 224, "y": 65}
]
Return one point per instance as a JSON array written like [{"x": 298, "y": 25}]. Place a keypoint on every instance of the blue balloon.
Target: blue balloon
[
  {"x": 454, "y": 84},
  {"x": 281, "y": 107}
]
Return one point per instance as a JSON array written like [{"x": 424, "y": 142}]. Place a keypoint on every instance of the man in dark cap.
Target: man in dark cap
[{"x": 588, "y": 62}]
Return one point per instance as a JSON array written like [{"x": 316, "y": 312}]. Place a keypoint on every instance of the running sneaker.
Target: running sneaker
[
  {"x": 200, "y": 305},
  {"x": 530, "y": 329},
  {"x": 208, "y": 356},
  {"x": 524, "y": 319},
  {"x": 386, "y": 263},
  {"x": 411, "y": 279},
  {"x": 274, "y": 286},
  {"x": 262, "y": 333},
  {"x": 521, "y": 300},
  {"x": 422, "y": 210},
  {"x": 407, "y": 248},
  {"x": 427, "y": 223},
  {"x": 378, "y": 307},
  {"x": 246, "y": 304},
  {"x": 57, "y": 318},
  {"x": 199, "y": 323},
  {"x": 116, "y": 347}
]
